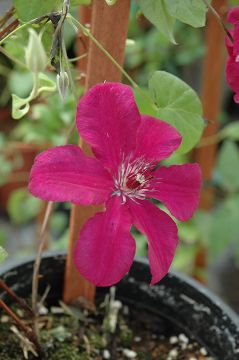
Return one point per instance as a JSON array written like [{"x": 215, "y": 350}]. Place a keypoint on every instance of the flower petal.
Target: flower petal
[
  {"x": 233, "y": 15},
  {"x": 108, "y": 118},
  {"x": 156, "y": 140},
  {"x": 178, "y": 187},
  {"x": 65, "y": 173},
  {"x": 161, "y": 232},
  {"x": 232, "y": 76},
  {"x": 105, "y": 249}
]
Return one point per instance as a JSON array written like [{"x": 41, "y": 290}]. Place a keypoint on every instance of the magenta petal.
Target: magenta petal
[
  {"x": 178, "y": 187},
  {"x": 232, "y": 76},
  {"x": 105, "y": 249},
  {"x": 156, "y": 140},
  {"x": 108, "y": 118},
  {"x": 162, "y": 235},
  {"x": 233, "y": 15},
  {"x": 65, "y": 173}
]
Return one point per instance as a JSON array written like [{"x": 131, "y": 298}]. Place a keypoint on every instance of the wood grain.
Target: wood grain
[{"x": 109, "y": 24}]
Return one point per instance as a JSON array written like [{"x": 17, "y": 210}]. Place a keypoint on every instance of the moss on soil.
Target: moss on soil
[{"x": 81, "y": 336}]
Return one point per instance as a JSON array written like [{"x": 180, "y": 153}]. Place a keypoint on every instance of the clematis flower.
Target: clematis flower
[
  {"x": 123, "y": 175},
  {"x": 232, "y": 65}
]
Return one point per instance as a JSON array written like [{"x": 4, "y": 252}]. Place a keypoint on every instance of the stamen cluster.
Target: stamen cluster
[{"x": 133, "y": 179}]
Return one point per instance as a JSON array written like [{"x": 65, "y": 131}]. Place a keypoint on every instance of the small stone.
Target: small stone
[
  {"x": 137, "y": 339},
  {"x": 126, "y": 310},
  {"x": 192, "y": 358},
  {"x": 173, "y": 353},
  {"x": 183, "y": 338},
  {"x": 203, "y": 351},
  {"x": 4, "y": 319},
  {"x": 106, "y": 354},
  {"x": 130, "y": 354},
  {"x": 173, "y": 340},
  {"x": 183, "y": 346}
]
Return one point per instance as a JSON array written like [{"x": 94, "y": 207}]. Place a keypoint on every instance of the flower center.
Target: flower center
[{"x": 133, "y": 178}]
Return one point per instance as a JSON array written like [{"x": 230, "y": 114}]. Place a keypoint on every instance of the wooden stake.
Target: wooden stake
[
  {"x": 211, "y": 97},
  {"x": 211, "y": 100},
  {"x": 109, "y": 24}
]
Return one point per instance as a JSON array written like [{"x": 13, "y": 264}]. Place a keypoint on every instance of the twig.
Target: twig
[
  {"x": 219, "y": 19},
  {"x": 9, "y": 29},
  {"x": 7, "y": 16},
  {"x": 19, "y": 300},
  {"x": 29, "y": 333}
]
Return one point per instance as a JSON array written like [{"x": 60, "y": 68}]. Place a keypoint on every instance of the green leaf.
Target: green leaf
[
  {"x": 228, "y": 166},
  {"x": 178, "y": 105},
  {"x": 3, "y": 254},
  {"x": 20, "y": 107},
  {"x": 80, "y": 2},
  {"x": 22, "y": 206},
  {"x": 224, "y": 226},
  {"x": 156, "y": 12},
  {"x": 144, "y": 105},
  {"x": 28, "y": 10},
  {"x": 230, "y": 131},
  {"x": 46, "y": 84},
  {"x": 192, "y": 12}
]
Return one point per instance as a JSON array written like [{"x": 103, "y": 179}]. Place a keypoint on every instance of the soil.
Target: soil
[{"x": 113, "y": 331}]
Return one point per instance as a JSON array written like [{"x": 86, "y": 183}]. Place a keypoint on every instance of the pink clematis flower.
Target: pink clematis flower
[
  {"x": 123, "y": 175},
  {"x": 232, "y": 66}
]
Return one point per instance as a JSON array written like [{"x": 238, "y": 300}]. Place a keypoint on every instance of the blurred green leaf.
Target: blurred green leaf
[
  {"x": 28, "y": 10},
  {"x": 20, "y": 107},
  {"x": 141, "y": 245},
  {"x": 192, "y": 12},
  {"x": 46, "y": 84},
  {"x": 184, "y": 257},
  {"x": 20, "y": 83},
  {"x": 224, "y": 229},
  {"x": 80, "y": 2},
  {"x": 58, "y": 222},
  {"x": 22, "y": 206},
  {"x": 230, "y": 132},
  {"x": 3, "y": 254},
  {"x": 156, "y": 11},
  {"x": 228, "y": 166},
  {"x": 178, "y": 105}
]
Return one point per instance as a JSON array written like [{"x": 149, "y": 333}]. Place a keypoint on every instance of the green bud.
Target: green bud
[
  {"x": 35, "y": 55},
  {"x": 62, "y": 81}
]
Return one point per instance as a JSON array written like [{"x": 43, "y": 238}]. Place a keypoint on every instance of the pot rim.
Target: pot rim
[{"x": 203, "y": 290}]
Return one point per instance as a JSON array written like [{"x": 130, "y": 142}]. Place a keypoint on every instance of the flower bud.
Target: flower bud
[
  {"x": 62, "y": 81},
  {"x": 35, "y": 55}
]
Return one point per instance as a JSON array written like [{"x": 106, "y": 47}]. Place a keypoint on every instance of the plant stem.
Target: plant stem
[
  {"x": 29, "y": 333},
  {"x": 219, "y": 19},
  {"x": 19, "y": 300},
  {"x": 77, "y": 58},
  {"x": 101, "y": 47},
  {"x": 23, "y": 26},
  {"x": 36, "y": 268}
]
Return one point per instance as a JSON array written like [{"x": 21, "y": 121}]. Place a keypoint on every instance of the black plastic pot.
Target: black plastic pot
[{"x": 183, "y": 303}]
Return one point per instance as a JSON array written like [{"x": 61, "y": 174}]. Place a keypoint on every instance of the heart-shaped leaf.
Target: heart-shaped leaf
[{"x": 178, "y": 105}]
